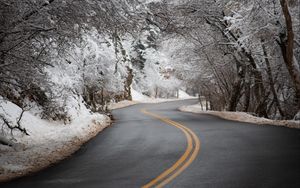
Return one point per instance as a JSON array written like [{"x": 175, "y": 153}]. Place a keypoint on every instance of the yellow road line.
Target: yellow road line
[
  {"x": 186, "y": 164},
  {"x": 190, "y": 136},
  {"x": 180, "y": 160}
]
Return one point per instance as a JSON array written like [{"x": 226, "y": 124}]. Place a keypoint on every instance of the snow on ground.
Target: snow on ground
[
  {"x": 48, "y": 142},
  {"x": 184, "y": 95},
  {"x": 121, "y": 104},
  {"x": 137, "y": 97},
  {"x": 241, "y": 117}
]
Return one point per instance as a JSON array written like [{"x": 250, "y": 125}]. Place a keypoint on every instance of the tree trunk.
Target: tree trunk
[
  {"x": 237, "y": 87},
  {"x": 271, "y": 80},
  {"x": 247, "y": 90},
  {"x": 127, "y": 85},
  {"x": 259, "y": 89},
  {"x": 206, "y": 104},
  {"x": 287, "y": 46}
]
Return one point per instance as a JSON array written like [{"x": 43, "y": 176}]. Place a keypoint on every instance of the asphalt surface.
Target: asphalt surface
[{"x": 137, "y": 148}]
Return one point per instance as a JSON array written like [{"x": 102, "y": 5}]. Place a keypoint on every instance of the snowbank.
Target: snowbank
[
  {"x": 242, "y": 117},
  {"x": 138, "y": 97},
  {"x": 184, "y": 95},
  {"x": 47, "y": 143},
  {"x": 121, "y": 104}
]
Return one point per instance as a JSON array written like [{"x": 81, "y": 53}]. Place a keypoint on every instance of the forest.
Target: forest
[{"x": 239, "y": 55}]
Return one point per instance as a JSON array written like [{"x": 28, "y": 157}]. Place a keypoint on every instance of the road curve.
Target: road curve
[
  {"x": 193, "y": 147},
  {"x": 140, "y": 147}
]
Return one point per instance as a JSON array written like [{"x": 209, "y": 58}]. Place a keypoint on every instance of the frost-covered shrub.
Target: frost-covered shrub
[{"x": 95, "y": 68}]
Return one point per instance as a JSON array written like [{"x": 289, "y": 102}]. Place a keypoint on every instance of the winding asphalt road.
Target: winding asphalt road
[{"x": 160, "y": 143}]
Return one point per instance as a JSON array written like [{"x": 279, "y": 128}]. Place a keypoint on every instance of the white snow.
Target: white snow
[
  {"x": 241, "y": 117},
  {"x": 47, "y": 142},
  {"x": 184, "y": 95},
  {"x": 121, "y": 104},
  {"x": 138, "y": 97}
]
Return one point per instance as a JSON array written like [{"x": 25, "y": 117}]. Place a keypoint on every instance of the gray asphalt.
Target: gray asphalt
[{"x": 137, "y": 148}]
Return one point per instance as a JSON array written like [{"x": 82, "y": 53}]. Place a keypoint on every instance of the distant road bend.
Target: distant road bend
[{"x": 155, "y": 145}]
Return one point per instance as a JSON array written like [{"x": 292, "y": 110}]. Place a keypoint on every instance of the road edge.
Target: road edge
[
  {"x": 236, "y": 116},
  {"x": 67, "y": 150}
]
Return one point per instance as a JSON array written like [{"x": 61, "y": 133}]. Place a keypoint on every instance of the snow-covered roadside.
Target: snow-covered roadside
[
  {"x": 140, "y": 98},
  {"x": 47, "y": 143},
  {"x": 121, "y": 104},
  {"x": 241, "y": 117}
]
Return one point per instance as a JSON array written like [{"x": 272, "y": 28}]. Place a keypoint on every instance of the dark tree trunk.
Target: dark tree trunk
[
  {"x": 259, "y": 89},
  {"x": 272, "y": 83},
  {"x": 206, "y": 104},
  {"x": 287, "y": 46},
  {"x": 237, "y": 87},
  {"x": 247, "y": 91},
  {"x": 127, "y": 84}
]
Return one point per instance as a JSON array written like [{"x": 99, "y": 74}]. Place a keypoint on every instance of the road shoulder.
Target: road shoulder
[{"x": 241, "y": 117}]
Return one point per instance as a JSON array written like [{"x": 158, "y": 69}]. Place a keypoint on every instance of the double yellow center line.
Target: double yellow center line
[{"x": 192, "y": 149}]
